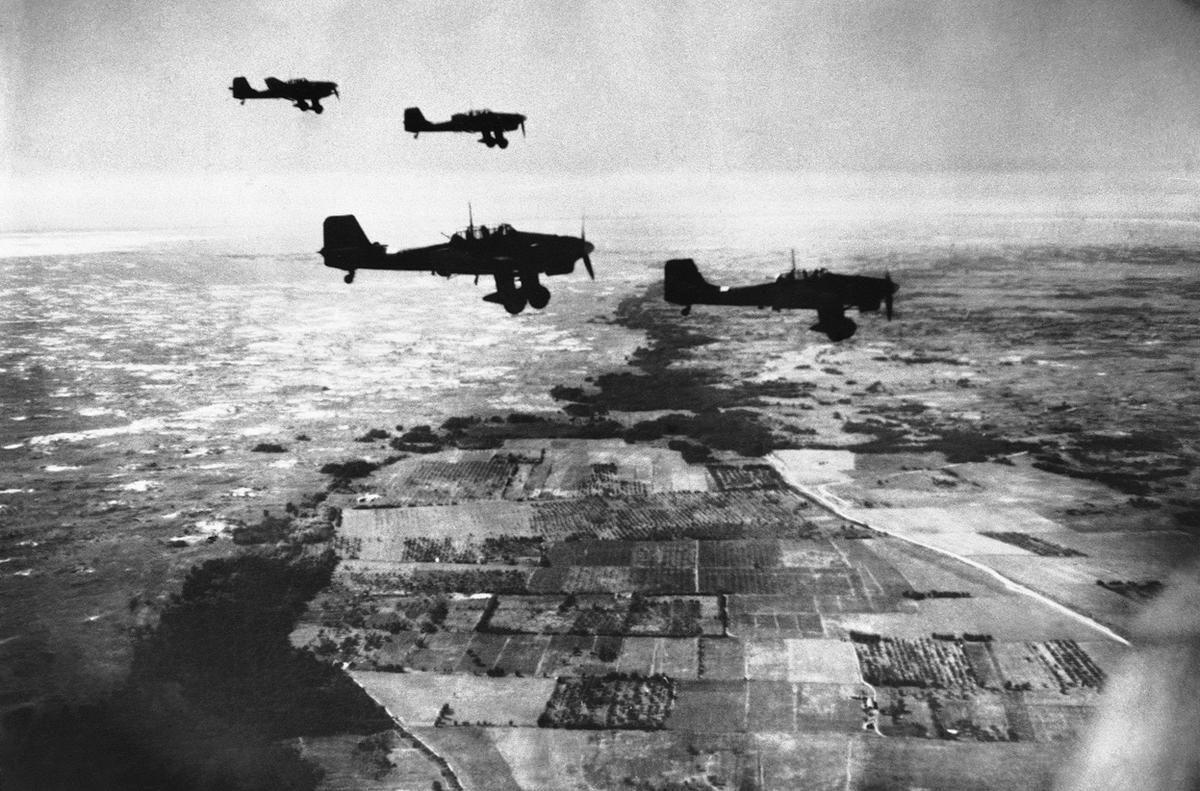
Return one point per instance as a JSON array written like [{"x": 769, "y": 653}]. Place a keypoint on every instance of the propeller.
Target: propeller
[
  {"x": 887, "y": 298},
  {"x": 522, "y": 127},
  {"x": 587, "y": 262},
  {"x": 337, "y": 95}
]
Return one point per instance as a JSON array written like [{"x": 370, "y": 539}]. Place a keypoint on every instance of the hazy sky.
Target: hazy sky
[{"x": 139, "y": 88}]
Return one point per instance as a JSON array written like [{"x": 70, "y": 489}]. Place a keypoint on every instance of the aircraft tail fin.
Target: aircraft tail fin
[
  {"x": 346, "y": 245},
  {"x": 414, "y": 120},
  {"x": 684, "y": 285},
  {"x": 241, "y": 88},
  {"x": 342, "y": 232}
]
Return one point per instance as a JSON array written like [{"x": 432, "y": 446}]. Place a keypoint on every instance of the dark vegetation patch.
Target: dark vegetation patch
[
  {"x": 373, "y": 434},
  {"x": 1038, "y": 546},
  {"x": 935, "y": 594},
  {"x": 746, "y": 476},
  {"x": 959, "y": 445},
  {"x": 1130, "y": 589},
  {"x": 737, "y": 430},
  {"x": 213, "y": 689},
  {"x": 691, "y": 452},
  {"x": 268, "y": 447},
  {"x": 431, "y": 581},
  {"x": 616, "y": 700},
  {"x": 1134, "y": 476}
]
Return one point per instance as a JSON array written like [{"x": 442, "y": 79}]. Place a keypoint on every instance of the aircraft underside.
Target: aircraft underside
[
  {"x": 515, "y": 297},
  {"x": 495, "y": 138}
]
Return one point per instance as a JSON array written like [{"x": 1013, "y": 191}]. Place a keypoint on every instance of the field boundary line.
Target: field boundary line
[
  {"x": 447, "y": 770},
  {"x": 834, "y": 504}
]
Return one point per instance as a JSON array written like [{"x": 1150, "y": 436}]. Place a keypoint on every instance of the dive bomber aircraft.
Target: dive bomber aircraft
[
  {"x": 302, "y": 93},
  {"x": 514, "y": 258},
  {"x": 490, "y": 125},
  {"x": 825, "y": 292}
]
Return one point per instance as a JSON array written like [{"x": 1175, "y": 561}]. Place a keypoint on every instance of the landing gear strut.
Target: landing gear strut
[{"x": 349, "y": 278}]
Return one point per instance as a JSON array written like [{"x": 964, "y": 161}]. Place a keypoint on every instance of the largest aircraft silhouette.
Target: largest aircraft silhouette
[
  {"x": 515, "y": 259},
  {"x": 825, "y": 292},
  {"x": 305, "y": 94},
  {"x": 490, "y": 125}
]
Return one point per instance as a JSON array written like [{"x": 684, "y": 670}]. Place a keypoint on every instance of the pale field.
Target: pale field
[
  {"x": 415, "y": 698},
  {"x": 767, "y": 659},
  {"x": 383, "y": 530},
  {"x": 927, "y": 571},
  {"x": 956, "y": 519},
  {"x": 1015, "y": 619},
  {"x": 822, "y": 661}
]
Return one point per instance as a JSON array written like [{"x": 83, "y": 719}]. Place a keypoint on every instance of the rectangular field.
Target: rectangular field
[
  {"x": 709, "y": 707},
  {"x": 822, "y": 661},
  {"x": 721, "y": 659},
  {"x": 417, "y": 698}
]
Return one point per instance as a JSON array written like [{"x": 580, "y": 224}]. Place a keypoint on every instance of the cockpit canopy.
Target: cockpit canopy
[{"x": 481, "y": 232}]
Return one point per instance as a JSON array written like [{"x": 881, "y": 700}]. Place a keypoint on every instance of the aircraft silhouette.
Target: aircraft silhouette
[
  {"x": 490, "y": 125},
  {"x": 514, "y": 258},
  {"x": 304, "y": 94},
  {"x": 825, "y": 292}
]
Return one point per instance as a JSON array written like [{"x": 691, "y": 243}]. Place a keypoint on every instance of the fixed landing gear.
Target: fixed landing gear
[
  {"x": 836, "y": 329},
  {"x": 514, "y": 303},
  {"x": 318, "y": 109},
  {"x": 502, "y": 142},
  {"x": 687, "y": 310},
  {"x": 349, "y": 278},
  {"x": 538, "y": 296}
]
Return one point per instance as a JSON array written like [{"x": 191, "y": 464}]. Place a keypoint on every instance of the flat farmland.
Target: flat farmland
[
  {"x": 568, "y": 654},
  {"x": 815, "y": 553},
  {"x": 709, "y": 706},
  {"x": 638, "y": 655},
  {"x": 592, "y": 553},
  {"x": 673, "y": 516},
  {"x": 463, "y": 614},
  {"x": 473, "y": 756},
  {"x": 482, "y": 652},
  {"x": 822, "y": 661},
  {"x": 722, "y": 659},
  {"x": 662, "y": 580},
  {"x": 761, "y": 554},
  {"x": 417, "y": 698},
  {"x": 671, "y": 656},
  {"x": 531, "y": 614},
  {"x": 522, "y": 654},
  {"x": 770, "y": 706},
  {"x": 441, "y": 651},
  {"x": 598, "y": 579},
  {"x": 443, "y": 481},
  {"x": 982, "y": 717},
  {"x": 766, "y": 659},
  {"x": 1059, "y": 723},
  {"x": 348, "y": 767},
  {"x": 1072, "y": 581},
  {"x": 665, "y": 554},
  {"x": 382, "y": 531},
  {"x": 962, "y": 766},
  {"x": 1029, "y": 621},
  {"x": 925, "y": 571},
  {"x": 828, "y": 707}
]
